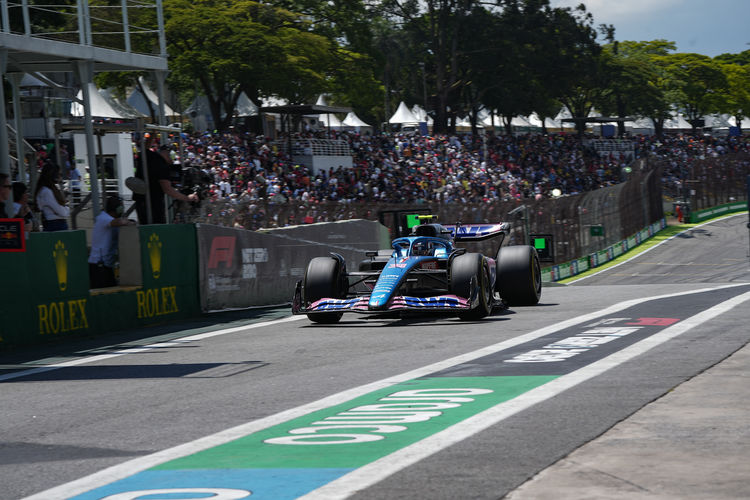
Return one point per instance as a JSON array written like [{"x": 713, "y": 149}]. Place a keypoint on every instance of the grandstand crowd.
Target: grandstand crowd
[{"x": 401, "y": 168}]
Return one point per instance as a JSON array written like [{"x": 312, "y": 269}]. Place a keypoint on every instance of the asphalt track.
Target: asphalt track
[{"x": 203, "y": 405}]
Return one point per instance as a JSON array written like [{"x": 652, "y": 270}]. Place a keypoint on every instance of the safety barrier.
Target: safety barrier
[
  {"x": 709, "y": 213},
  {"x": 46, "y": 297},
  {"x": 167, "y": 273},
  {"x": 596, "y": 259}
]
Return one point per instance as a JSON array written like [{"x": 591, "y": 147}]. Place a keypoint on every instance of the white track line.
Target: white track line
[
  {"x": 135, "y": 350},
  {"x": 378, "y": 470},
  {"x": 655, "y": 246},
  {"x": 134, "y": 466}
]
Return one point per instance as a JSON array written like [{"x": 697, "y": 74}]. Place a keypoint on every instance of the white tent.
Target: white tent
[
  {"x": 120, "y": 106},
  {"x": 716, "y": 121},
  {"x": 643, "y": 125},
  {"x": 677, "y": 122},
  {"x": 516, "y": 121},
  {"x": 101, "y": 106},
  {"x": 465, "y": 123},
  {"x": 745, "y": 124},
  {"x": 564, "y": 114},
  {"x": 352, "y": 120},
  {"x": 421, "y": 115},
  {"x": 403, "y": 116},
  {"x": 245, "y": 107},
  {"x": 329, "y": 120},
  {"x": 199, "y": 113},
  {"x": 139, "y": 101},
  {"x": 520, "y": 121},
  {"x": 549, "y": 123}
]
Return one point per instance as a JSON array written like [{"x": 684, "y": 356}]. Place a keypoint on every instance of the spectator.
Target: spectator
[
  {"x": 75, "y": 184},
  {"x": 104, "y": 241},
  {"x": 159, "y": 184},
  {"x": 21, "y": 207},
  {"x": 50, "y": 199},
  {"x": 5, "y": 191}
]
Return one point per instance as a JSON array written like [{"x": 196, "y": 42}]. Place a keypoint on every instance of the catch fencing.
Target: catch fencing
[
  {"x": 702, "y": 183},
  {"x": 580, "y": 224}
]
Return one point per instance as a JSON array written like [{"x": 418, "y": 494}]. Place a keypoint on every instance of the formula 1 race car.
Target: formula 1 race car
[{"x": 423, "y": 272}]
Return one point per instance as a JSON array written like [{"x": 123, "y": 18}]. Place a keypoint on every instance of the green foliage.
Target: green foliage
[
  {"x": 698, "y": 84},
  {"x": 511, "y": 56},
  {"x": 737, "y": 98}
]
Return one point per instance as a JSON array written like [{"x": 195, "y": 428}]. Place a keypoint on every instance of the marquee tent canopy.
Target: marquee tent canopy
[
  {"x": 138, "y": 100},
  {"x": 245, "y": 107},
  {"x": 103, "y": 105},
  {"x": 352, "y": 120},
  {"x": 403, "y": 115}
]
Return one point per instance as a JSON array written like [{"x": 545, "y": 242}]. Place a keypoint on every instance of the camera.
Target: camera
[{"x": 190, "y": 180}]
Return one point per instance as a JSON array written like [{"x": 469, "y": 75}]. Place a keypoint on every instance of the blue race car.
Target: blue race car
[{"x": 423, "y": 272}]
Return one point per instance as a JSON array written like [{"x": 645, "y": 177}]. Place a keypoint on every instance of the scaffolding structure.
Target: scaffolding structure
[{"x": 83, "y": 38}]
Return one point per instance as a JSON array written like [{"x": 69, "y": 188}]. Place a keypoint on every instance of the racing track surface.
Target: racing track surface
[{"x": 492, "y": 415}]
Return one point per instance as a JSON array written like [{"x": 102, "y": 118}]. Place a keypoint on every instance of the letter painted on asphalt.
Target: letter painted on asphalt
[
  {"x": 308, "y": 439},
  {"x": 217, "y": 494}
]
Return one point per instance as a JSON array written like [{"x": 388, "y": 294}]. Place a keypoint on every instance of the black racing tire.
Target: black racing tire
[
  {"x": 323, "y": 279},
  {"x": 519, "y": 275},
  {"x": 465, "y": 271}
]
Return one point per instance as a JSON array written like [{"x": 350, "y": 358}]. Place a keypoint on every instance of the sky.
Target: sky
[{"x": 708, "y": 27}]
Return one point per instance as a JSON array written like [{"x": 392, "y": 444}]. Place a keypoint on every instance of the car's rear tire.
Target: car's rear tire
[
  {"x": 323, "y": 280},
  {"x": 466, "y": 271},
  {"x": 519, "y": 276}
]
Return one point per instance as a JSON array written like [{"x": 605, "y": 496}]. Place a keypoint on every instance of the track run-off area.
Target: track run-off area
[{"x": 264, "y": 405}]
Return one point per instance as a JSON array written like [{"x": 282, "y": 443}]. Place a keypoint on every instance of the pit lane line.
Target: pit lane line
[
  {"x": 378, "y": 470},
  {"x": 135, "y": 350}
]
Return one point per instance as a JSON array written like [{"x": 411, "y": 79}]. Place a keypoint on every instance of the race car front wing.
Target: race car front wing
[{"x": 437, "y": 303}]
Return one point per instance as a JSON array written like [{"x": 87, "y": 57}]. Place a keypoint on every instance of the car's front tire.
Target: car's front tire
[
  {"x": 323, "y": 280},
  {"x": 466, "y": 272}
]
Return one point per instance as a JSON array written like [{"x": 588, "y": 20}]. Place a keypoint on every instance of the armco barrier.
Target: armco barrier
[
  {"x": 572, "y": 268},
  {"x": 709, "y": 213},
  {"x": 45, "y": 292}
]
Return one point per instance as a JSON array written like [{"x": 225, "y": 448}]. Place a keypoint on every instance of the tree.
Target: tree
[
  {"x": 575, "y": 68},
  {"x": 438, "y": 26},
  {"x": 654, "y": 98},
  {"x": 737, "y": 98},
  {"x": 629, "y": 73},
  {"x": 698, "y": 84},
  {"x": 229, "y": 47}
]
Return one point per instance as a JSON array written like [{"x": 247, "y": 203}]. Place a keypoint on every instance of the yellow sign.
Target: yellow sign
[
  {"x": 154, "y": 255},
  {"x": 61, "y": 317},
  {"x": 157, "y": 301},
  {"x": 60, "y": 255}
]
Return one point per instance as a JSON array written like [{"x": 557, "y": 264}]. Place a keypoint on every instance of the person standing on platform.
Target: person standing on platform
[
  {"x": 5, "y": 190},
  {"x": 159, "y": 184},
  {"x": 50, "y": 199},
  {"x": 104, "y": 243}
]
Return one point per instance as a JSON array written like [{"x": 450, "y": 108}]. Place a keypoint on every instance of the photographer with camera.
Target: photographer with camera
[{"x": 159, "y": 184}]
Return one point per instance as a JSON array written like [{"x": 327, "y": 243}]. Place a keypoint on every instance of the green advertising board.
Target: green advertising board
[{"x": 46, "y": 297}]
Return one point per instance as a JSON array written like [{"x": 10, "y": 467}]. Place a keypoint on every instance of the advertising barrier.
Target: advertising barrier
[
  {"x": 596, "y": 259},
  {"x": 240, "y": 268},
  {"x": 45, "y": 289},
  {"x": 46, "y": 297},
  {"x": 709, "y": 213}
]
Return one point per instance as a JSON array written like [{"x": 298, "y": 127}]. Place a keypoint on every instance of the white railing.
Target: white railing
[{"x": 316, "y": 147}]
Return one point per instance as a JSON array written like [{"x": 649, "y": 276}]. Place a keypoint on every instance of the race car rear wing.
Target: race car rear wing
[{"x": 478, "y": 232}]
